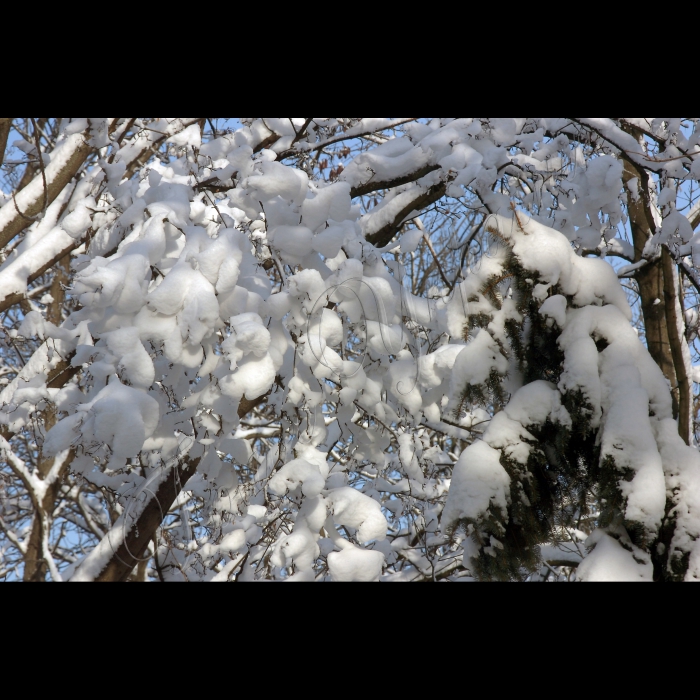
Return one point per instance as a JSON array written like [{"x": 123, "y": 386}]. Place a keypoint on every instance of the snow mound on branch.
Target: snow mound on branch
[
  {"x": 300, "y": 548},
  {"x": 294, "y": 242},
  {"x": 253, "y": 377},
  {"x": 354, "y": 509},
  {"x": 297, "y": 474},
  {"x": 187, "y": 293},
  {"x": 119, "y": 283},
  {"x": 479, "y": 482},
  {"x": 536, "y": 402},
  {"x": 611, "y": 561},
  {"x": 355, "y": 564},
  {"x": 555, "y": 308},
  {"x": 277, "y": 180},
  {"x": 622, "y": 386},
  {"x": 475, "y": 363},
  {"x": 125, "y": 344},
  {"x": 394, "y": 159},
  {"x": 330, "y": 202},
  {"x": 249, "y": 337},
  {"x": 119, "y": 417},
  {"x": 549, "y": 255}
]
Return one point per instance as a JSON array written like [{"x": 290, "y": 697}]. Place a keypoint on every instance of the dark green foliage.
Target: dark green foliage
[
  {"x": 550, "y": 492},
  {"x": 613, "y": 503},
  {"x": 581, "y": 410},
  {"x": 489, "y": 395},
  {"x": 475, "y": 321},
  {"x": 553, "y": 490}
]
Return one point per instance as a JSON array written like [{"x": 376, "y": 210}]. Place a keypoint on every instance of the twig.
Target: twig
[{"x": 426, "y": 238}]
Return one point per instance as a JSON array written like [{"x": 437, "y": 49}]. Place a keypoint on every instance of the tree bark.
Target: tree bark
[
  {"x": 650, "y": 280},
  {"x": 5, "y": 126},
  {"x": 675, "y": 324}
]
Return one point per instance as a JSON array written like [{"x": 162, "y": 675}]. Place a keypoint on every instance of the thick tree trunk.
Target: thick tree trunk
[
  {"x": 650, "y": 280},
  {"x": 676, "y": 330}
]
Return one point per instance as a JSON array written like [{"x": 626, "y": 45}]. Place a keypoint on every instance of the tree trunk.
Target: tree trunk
[
  {"x": 35, "y": 567},
  {"x": 650, "y": 280}
]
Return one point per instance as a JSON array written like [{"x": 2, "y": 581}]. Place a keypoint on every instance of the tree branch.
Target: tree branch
[
  {"x": 133, "y": 539},
  {"x": 44, "y": 188},
  {"x": 30, "y": 201},
  {"x": 5, "y": 126},
  {"x": 374, "y": 186},
  {"x": 384, "y": 235},
  {"x": 694, "y": 216}
]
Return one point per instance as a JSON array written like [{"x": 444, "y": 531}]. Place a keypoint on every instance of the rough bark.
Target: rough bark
[
  {"x": 683, "y": 381},
  {"x": 650, "y": 281}
]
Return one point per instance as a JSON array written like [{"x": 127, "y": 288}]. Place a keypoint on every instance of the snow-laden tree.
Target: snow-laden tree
[{"x": 349, "y": 349}]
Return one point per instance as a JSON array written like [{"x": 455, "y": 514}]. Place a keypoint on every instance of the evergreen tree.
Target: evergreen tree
[{"x": 588, "y": 428}]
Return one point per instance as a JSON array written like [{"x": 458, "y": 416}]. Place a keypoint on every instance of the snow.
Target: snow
[
  {"x": 351, "y": 508},
  {"x": 15, "y": 271},
  {"x": 119, "y": 283},
  {"x": 546, "y": 251},
  {"x": 536, "y": 402},
  {"x": 627, "y": 438},
  {"x": 299, "y": 548},
  {"x": 355, "y": 564},
  {"x": 297, "y": 474},
  {"x": 249, "y": 336},
  {"x": 253, "y": 377},
  {"x": 65, "y": 151},
  {"x": 79, "y": 220},
  {"x": 555, "y": 308},
  {"x": 390, "y": 161},
  {"x": 330, "y": 202},
  {"x": 277, "y": 180},
  {"x": 682, "y": 470},
  {"x": 610, "y": 561},
  {"x": 293, "y": 241},
  {"x": 119, "y": 417},
  {"x": 476, "y": 362},
  {"x": 479, "y": 482},
  {"x": 126, "y": 345}
]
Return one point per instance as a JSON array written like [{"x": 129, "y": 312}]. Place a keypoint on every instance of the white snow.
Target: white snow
[
  {"x": 479, "y": 482},
  {"x": 610, "y": 561},
  {"x": 354, "y": 509},
  {"x": 355, "y": 564}
]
